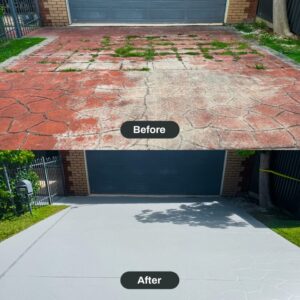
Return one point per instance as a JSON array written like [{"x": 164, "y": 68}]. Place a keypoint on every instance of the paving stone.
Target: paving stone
[
  {"x": 49, "y": 128},
  {"x": 42, "y": 106},
  {"x": 12, "y": 111},
  {"x": 4, "y": 125},
  {"x": 104, "y": 66},
  {"x": 259, "y": 123},
  {"x": 26, "y": 122},
  {"x": 40, "y": 142},
  {"x": 73, "y": 66},
  {"x": 288, "y": 118},
  {"x": 168, "y": 64},
  {"x": 275, "y": 137}
]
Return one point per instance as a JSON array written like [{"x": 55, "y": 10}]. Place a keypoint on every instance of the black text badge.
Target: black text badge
[
  {"x": 150, "y": 129},
  {"x": 149, "y": 280}
]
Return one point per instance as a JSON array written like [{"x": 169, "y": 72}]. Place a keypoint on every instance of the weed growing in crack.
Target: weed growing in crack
[
  {"x": 14, "y": 71},
  {"x": 145, "y": 69},
  {"x": 242, "y": 46},
  {"x": 178, "y": 56},
  {"x": 260, "y": 67},
  {"x": 235, "y": 55},
  {"x": 205, "y": 52},
  {"x": 164, "y": 53},
  {"x": 105, "y": 42},
  {"x": 192, "y": 53},
  {"x": 219, "y": 45},
  {"x": 151, "y": 38},
  {"x": 130, "y": 51},
  {"x": 44, "y": 62},
  {"x": 164, "y": 43},
  {"x": 70, "y": 70}
]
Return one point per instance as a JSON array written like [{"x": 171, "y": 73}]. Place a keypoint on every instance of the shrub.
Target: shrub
[{"x": 17, "y": 162}]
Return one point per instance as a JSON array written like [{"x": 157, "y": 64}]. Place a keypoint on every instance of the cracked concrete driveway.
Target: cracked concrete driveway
[
  {"x": 216, "y": 248},
  {"x": 75, "y": 92}
]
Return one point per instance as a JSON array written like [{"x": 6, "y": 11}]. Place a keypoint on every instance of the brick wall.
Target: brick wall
[
  {"x": 233, "y": 176},
  {"x": 241, "y": 11},
  {"x": 54, "y": 12},
  {"x": 75, "y": 170}
]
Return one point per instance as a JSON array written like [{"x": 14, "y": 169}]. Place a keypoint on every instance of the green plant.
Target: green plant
[
  {"x": 151, "y": 38},
  {"x": 219, "y": 45},
  {"x": 14, "y": 224},
  {"x": 244, "y": 27},
  {"x": 17, "y": 162},
  {"x": 145, "y": 69},
  {"x": 260, "y": 67},
  {"x": 245, "y": 153},
  {"x": 14, "y": 47},
  {"x": 105, "y": 42},
  {"x": 260, "y": 25},
  {"x": 192, "y": 53},
  {"x": 70, "y": 70},
  {"x": 205, "y": 52},
  {"x": 1, "y": 11},
  {"x": 178, "y": 56},
  {"x": 130, "y": 51}
]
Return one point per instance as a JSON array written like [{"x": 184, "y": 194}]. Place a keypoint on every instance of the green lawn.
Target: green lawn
[
  {"x": 281, "y": 224},
  {"x": 290, "y": 47},
  {"x": 14, "y": 47},
  {"x": 9, "y": 227}
]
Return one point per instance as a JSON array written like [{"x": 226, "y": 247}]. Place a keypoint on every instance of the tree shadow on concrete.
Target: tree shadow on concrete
[{"x": 209, "y": 214}]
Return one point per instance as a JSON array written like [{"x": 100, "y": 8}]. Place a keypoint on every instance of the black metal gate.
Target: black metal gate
[
  {"x": 294, "y": 15},
  {"x": 50, "y": 179},
  {"x": 285, "y": 191},
  {"x": 18, "y": 17}
]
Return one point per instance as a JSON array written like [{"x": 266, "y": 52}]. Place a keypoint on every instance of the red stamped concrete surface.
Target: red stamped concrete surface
[{"x": 74, "y": 93}]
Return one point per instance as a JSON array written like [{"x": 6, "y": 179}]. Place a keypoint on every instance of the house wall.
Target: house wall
[
  {"x": 55, "y": 12},
  {"x": 75, "y": 171},
  {"x": 233, "y": 174},
  {"x": 241, "y": 11}
]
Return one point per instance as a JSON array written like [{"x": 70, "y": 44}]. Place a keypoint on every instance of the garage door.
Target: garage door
[
  {"x": 148, "y": 11},
  {"x": 155, "y": 172}
]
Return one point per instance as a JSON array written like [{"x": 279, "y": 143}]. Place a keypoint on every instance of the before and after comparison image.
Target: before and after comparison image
[{"x": 150, "y": 149}]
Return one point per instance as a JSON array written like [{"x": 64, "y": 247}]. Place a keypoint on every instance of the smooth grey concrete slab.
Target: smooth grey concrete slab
[{"x": 216, "y": 248}]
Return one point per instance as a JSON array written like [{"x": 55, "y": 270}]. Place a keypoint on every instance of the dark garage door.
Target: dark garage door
[
  {"x": 148, "y": 11},
  {"x": 155, "y": 172}
]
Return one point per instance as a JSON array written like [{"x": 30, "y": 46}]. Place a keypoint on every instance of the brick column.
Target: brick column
[
  {"x": 233, "y": 174},
  {"x": 239, "y": 11},
  {"x": 76, "y": 176},
  {"x": 54, "y": 12}
]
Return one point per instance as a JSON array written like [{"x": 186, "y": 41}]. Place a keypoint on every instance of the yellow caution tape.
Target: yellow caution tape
[{"x": 279, "y": 174}]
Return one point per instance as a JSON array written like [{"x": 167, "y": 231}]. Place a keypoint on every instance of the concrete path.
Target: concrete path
[
  {"x": 76, "y": 92},
  {"x": 218, "y": 251}
]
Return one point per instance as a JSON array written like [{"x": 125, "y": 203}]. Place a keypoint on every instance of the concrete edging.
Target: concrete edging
[{"x": 27, "y": 52}]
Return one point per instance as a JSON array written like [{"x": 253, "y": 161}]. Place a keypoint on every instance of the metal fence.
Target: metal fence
[
  {"x": 50, "y": 179},
  {"x": 265, "y": 11},
  {"x": 285, "y": 191},
  {"x": 18, "y": 17}
]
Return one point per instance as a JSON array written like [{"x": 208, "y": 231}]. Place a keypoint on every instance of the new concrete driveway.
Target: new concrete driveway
[
  {"x": 216, "y": 248},
  {"x": 76, "y": 92}
]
